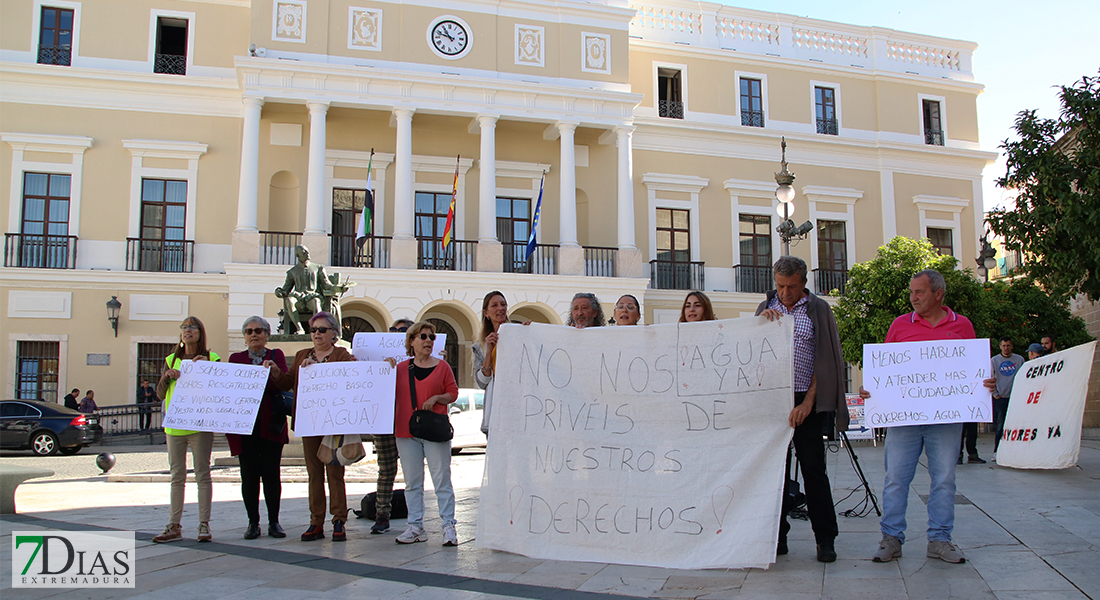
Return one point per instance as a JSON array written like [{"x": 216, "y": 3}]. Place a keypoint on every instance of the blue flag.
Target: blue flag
[{"x": 532, "y": 242}]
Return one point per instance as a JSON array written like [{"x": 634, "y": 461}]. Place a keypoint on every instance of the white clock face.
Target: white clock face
[{"x": 449, "y": 38}]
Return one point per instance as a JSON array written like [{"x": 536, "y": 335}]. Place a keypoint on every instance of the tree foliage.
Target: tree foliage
[
  {"x": 1054, "y": 169},
  {"x": 877, "y": 292}
]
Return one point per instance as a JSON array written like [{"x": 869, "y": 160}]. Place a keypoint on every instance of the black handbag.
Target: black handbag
[{"x": 425, "y": 424}]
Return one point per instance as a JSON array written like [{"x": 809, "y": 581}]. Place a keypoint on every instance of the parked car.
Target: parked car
[
  {"x": 466, "y": 419},
  {"x": 46, "y": 428}
]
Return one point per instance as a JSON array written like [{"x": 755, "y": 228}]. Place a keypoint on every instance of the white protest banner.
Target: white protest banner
[
  {"x": 216, "y": 397},
  {"x": 371, "y": 346},
  {"x": 1043, "y": 426},
  {"x": 660, "y": 446},
  {"x": 857, "y": 419},
  {"x": 344, "y": 397},
  {"x": 927, "y": 383}
]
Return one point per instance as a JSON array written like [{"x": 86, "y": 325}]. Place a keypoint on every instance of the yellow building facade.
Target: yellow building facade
[{"x": 172, "y": 153}]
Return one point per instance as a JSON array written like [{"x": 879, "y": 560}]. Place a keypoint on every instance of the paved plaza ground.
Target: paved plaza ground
[{"x": 1027, "y": 535}]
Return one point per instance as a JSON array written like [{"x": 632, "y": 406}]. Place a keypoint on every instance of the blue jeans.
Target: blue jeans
[
  {"x": 413, "y": 453},
  {"x": 940, "y": 444}
]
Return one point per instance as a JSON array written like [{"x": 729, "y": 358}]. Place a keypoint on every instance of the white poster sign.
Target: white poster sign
[
  {"x": 926, "y": 383},
  {"x": 370, "y": 346},
  {"x": 857, "y": 419},
  {"x": 344, "y": 397},
  {"x": 660, "y": 446},
  {"x": 1043, "y": 426},
  {"x": 216, "y": 397}
]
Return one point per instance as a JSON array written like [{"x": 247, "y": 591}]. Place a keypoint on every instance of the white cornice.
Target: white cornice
[
  {"x": 165, "y": 149},
  {"x": 941, "y": 203},
  {"x": 750, "y": 189},
  {"x": 521, "y": 170},
  {"x": 670, "y": 182},
  {"x": 42, "y": 142},
  {"x": 834, "y": 195},
  {"x": 74, "y": 279},
  {"x": 440, "y": 164},
  {"x": 358, "y": 159},
  {"x": 592, "y": 14}
]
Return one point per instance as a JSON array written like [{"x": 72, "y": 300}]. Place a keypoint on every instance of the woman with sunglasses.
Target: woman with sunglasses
[
  {"x": 261, "y": 453},
  {"x": 192, "y": 346},
  {"x": 628, "y": 311},
  {"x": 323, "y": 331},
  {"x": 697, "y": 307},
  {"x": 494, "y": 313},
  {"x": 435, "y": 389}
]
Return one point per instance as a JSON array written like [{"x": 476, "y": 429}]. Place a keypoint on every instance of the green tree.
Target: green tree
[
  {"x": 877, "y": 292},
  {"x": 1054, "y": 168}
]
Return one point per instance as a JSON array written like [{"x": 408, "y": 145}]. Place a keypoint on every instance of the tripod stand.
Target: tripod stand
[{"x": 870, "y": 495}]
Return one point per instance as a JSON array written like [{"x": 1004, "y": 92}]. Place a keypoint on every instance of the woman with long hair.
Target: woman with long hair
[
  {"x": 494, "y": 313},
  {"x": 261, "y": 453},
  {"x": 192, "y": 346},
  {"x": 323, "y": 332},
  {"x": 697, "y": 307}
]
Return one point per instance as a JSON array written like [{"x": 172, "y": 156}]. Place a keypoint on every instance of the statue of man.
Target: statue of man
[
  {"x": 302, "y": 291},
  {"x": 330, "y": 303}
]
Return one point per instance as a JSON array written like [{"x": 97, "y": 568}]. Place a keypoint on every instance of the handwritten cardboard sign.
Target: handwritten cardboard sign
[
  {"x": 660, "y": 446},
  {"x": 370, "y": 346},
  {"x": 216, "y": 397},
  {"x": 1043, "y": 425},
  {"x": 925, "y": 383},
  {"x": 344, "y": 397}
]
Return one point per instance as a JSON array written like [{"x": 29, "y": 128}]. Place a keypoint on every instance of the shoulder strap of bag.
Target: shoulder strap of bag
[{"x": 412, "y": 386}]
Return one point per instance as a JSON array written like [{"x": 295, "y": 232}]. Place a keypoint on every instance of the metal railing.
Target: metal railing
[
  {"x": 40, "y": 251},
  {"x": 375, "y": 253},
  {"x": 751, "y": 279},
  {"x": 130, "y": 419},
  {"x": 543, "y": 261},
  {"x": 828, "y": 280},
  {"x": 667, "y": 275},
  {"x": 827, "y": 126},
  {"x": 277, "y": 247},
  {"x": 599, "y": 262},
  {"x": 459, "y": 256},
  {"x": 752, "y": 118},
  {"x": 933, "y": 137},
  {"x": 670, "y": 109},
  {"x": 170, "y": 64},
  {"x": 55, "y": 55},
  {"x": 162, "y": 256}
]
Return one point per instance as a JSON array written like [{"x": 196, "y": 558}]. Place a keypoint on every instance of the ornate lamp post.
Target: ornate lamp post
[
  {"x": 113, "y": 308},
  {"x": 987, "y": 259},
  {"x": 785, "y": 195}
]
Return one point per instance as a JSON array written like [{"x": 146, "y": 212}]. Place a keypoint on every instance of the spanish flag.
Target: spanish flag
[{"x": 448, "y": 229}]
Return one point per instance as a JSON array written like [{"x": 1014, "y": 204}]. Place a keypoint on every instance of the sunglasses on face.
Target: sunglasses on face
[
  {"x": 320, "y": 329},
  {"x": 189, "y": 327},
  {"x": 427, "y": 336},
  {"x": 257, "y": 331},
  {"x": 402, "y": 329}
]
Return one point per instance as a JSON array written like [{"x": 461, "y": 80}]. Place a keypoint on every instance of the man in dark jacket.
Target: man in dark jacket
[
  {"x": 70, "y": 400},
  {"x": 818, "y": 388}
]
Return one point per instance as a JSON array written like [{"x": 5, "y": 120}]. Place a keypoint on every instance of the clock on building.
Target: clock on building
[{"x": 449, "y": 37}]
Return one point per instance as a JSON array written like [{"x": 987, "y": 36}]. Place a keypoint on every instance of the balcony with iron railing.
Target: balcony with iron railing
[
  {"x": 170, "y": 64},
  {"x": 827, "y": 126},
  {"x": 277, "y": 247},
  {"x": 752, "y": 118},
  {"x": 670, "y": 109},
  {"x": 40, "y": 251},
  {"x": 458, "y": 256},
  {"x": 161, "y": 256},
  {"x": 668, "y": 275},
  {"x": 543, "y": 261},
  {"x": 55, "y": 55},
  {"x": 827, "y": 281},
  {"x": 933, "y": 137},
  {"x": 750, "y": 279},
  {"x": 599, "y": 261}
]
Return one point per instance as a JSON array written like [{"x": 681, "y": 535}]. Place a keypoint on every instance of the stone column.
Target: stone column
[
  {"x": 628, "y": 258},
  {"x": 315, "y": 237},
  {"x": 570, "y": 254},
  {"x": 490, "y": 252},
  {"x": 246, "y": 237},
  {"x": 403, "y": 250}
]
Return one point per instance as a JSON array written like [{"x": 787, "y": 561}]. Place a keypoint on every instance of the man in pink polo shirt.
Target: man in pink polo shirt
[{"x": 930, "y": 320}]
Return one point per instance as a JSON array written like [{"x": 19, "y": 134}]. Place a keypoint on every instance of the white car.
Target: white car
[{"x": 465, "y": 416}]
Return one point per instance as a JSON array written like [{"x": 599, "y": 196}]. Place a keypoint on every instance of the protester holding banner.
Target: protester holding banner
[
  {"x": 930, "y": 320},
  {"x": 429, "y": 383},
  {"x": 192, "y": 346},
  {"x": 628, "y": 311},
  {"x": 818, "y": 388},
  {"x": 323, "y": 331},
  {"x": 1005, "y": 366},
  {"x": 697, "y": 307},
  {"x": 585, "y": 311},
  {"x": 494, "y": 313},
  {"x": 261, "y": 453}
]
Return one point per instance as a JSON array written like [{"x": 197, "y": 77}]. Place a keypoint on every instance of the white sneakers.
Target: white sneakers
[
  {"x": 450, "y": 538},
  {"x": 414, "y": 534}
]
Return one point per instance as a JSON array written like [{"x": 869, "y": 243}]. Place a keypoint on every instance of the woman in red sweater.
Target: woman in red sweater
[{"x": 436, "y": 389}]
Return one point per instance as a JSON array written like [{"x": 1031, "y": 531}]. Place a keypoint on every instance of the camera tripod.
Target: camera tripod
[{"x": 862, "y": 509}]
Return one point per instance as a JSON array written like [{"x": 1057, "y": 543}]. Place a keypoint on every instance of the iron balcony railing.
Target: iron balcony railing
[
  {"x": 130, "y": 419},
  {"x": 751, "y": 279},
  {"x": 459, "y": 255},
  {"x": 670, "y": 109},
  {"x": 162, "y": 256},
  {"x": 599, "y": 262},
  {"x": 827, "y": 126},
  {"x": 933, "y": 137},
  {"x": 829, "y": 280},
  {"x": 374, "y": 253},
  {"x": 40, "y": 251},
  {"x": 752, "y": 118},
  {"x": 171, "y": 64},
  {"x": 277, "y": 247},
  {"x": 543, "y": 261},
  {"x": 668, "y": 275},
  {"x": 55, "y": 55}
]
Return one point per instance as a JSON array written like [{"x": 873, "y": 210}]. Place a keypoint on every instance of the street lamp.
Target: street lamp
[
  {"x": 987, "y": 259},
  {"x": 785, "y": 195},
  {"x": 113, "y": 308}
]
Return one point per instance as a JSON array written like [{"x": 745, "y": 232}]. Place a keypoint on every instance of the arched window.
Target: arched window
[{"x": 353, "y": 325}]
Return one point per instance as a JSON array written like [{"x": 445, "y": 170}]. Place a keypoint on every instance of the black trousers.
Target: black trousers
[
  {"x": 810, "y": 448},
  {"x": 969, "y": 439},
  {"x": 1000, "y": 411},
  {"x": 260, "y": 462}
]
